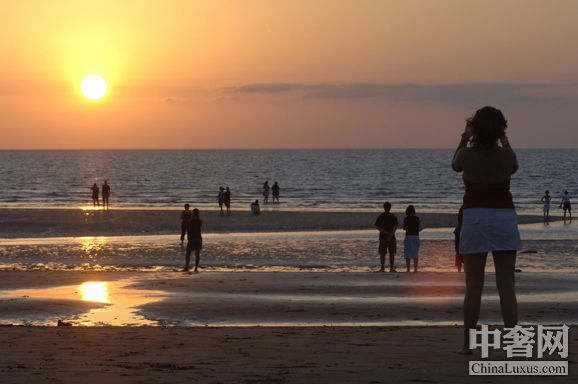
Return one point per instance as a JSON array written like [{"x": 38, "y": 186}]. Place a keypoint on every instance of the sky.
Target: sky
[{"x": 285, "y": 74}]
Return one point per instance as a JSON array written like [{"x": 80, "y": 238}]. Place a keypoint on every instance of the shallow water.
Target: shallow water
[
  {"x": 311, "y": 179},
  {"x": 546, "y": 248}
]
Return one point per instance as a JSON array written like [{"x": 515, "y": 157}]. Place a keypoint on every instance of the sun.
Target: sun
[{"x": 93, "y": 87}]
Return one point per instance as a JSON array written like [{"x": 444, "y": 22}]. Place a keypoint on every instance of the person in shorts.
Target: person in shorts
[
  {"x": 546, "y": 201},
  {"x": 386, "y": 224},
  {"x": 566, "y": 205},
  {"x": 185, "y": 220}
]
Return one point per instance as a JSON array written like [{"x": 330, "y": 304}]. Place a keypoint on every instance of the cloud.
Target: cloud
[{"x": 460, "y": 94}]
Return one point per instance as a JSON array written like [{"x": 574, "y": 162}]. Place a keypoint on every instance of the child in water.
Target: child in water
[{"x": 412, "y": 227}]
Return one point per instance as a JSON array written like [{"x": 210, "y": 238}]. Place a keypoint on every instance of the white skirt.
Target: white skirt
[{"x": 489, "y": 229}]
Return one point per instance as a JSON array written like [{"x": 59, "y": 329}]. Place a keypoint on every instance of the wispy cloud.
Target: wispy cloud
[{"x": 443, "y": 93}]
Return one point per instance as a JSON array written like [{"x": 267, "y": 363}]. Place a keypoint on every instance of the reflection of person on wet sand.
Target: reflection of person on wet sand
[
  {"x": 105, "y": 194},
  {"x": 95, "y": 201},
  {"x": 195, "y": 240}
]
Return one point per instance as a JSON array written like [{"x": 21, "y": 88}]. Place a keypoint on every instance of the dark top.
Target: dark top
[
  {"x": 386, "y": 221},
  {"x": 275, "y": 189},
  {"x": 194, "y": 230},
  {"x": 105, "y": 190},
  {"x": 411, "y": 225},
  {"x": 227, "y": 197},
  {"x": 186, "y": 216},
  {"x": 94, "y": 192},
  {"x": 487, "y": 195}
]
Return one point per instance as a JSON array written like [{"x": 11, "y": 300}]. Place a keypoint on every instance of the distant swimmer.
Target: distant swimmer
[
  {"x": 105, "y": 194},
  {"x": 275, "y": 189},
  {"x": 95, "y": 201},
  {"x": 195, "y": 240},
  {"x": 255, "y": 208},
  {"x": 412, "y": 227},
  {"x": 566, "y": 205},
  {"x": 186, "y": 216},
  {"x": 266, "y": 189},
  {"x": 227, "y": 200},
  {"x": 386, "y": 224},
  {"x": 546, "y": 201}
]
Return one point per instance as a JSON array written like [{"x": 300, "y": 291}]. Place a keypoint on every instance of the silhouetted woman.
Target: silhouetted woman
[
  {"x": 489, "y": 219},
  {"x": 95, "y": 191}
]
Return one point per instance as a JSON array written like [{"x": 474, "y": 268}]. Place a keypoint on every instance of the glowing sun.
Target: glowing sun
[{"x": 93, "y": 87}]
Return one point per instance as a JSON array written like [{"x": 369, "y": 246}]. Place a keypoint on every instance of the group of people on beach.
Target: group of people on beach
[
  {"x": 224, "y": 199},
  {"x": 487, "y": 221},
  {"x": 105, "y": 191},
  {"x": 564, "y": 204}
]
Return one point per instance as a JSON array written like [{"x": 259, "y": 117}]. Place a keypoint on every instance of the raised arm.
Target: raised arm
[
  {"x": 466, "y": 136},
  {"x": 506, "y": 144}
]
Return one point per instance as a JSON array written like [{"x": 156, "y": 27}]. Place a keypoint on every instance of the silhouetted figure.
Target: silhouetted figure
[
  {"x": 275, "y": 191},
  {"x": 566, "y": 205},
  {"x": 95, "y": 191},
  {"x": 412, "y": 227},
  {"x": 186, "y": 216},
  {"x": 195, "y": 240},
  {"x": 221, "y": 200},
  {"x": 255, "y": 208},
  {"x": 227, "y": 200},
  {"x": 386, "y": 224},
  {"x": 546, "y": 201},
  {"x": 459, "y": 259},
  {"x": 105, "y": 194},
  {"x": 489, "y": 217},
  {"x": 266, "y": 189}
]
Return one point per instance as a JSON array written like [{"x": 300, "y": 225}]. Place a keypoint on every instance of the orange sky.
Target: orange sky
[{"x": 261, "y": 74}]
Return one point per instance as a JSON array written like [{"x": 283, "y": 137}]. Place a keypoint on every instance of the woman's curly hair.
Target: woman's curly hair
[{"x": 488, "y": 125}]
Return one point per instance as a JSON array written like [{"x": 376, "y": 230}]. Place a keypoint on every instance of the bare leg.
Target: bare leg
[
  {"x": 505, "y": 263},
  {"x": 197, "y": 259},
  {"x": 415, "y": 264},
  {"x": 187, "y": 260},
  {"x": 407, "y": 264},
  {"x": 391, "y": 261},
  {"x": 382, "y": 260},
  {"x": 474, "y": 266}
]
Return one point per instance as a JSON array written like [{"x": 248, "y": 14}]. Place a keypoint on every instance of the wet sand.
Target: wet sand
[
  {"x": 244, "y": 355},
  {"x": 76, "y": 222},
  {"x": 222, "y": 348}
]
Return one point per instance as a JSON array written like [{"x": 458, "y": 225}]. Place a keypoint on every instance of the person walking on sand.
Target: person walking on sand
[
  {"x": 194, "y": 240},
  {"x": 386, "y": 224},
  {"x": 459, "y": 260},
  {"x": 186, "y": 216},
  {"x": 566, "y": 205},
  {"x": 266, "y": 189},
  {"x": 546, "y": 201},
  {"x": 489, "y": 222},
  {"x": 95, "y": 191},
  {"x": 227, "y": 200},
  {"x": 221, "y": 200},
  {"x": 412, "y": 227},
  {"x": 105, "y": 194},
  {"x": 275, "y": 189}
]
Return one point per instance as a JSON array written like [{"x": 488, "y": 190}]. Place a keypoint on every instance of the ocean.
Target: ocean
[{"x": 309, "y": 179}]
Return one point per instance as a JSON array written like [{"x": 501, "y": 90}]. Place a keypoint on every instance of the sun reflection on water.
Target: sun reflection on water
[{"x": 95, "y": 291}]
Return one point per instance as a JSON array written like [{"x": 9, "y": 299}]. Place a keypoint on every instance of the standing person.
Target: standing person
[
  {"x": 255, "y": 208},
  {"x": 459, "y": 260},
  {"x": 95, "y": 201},
  {"x": 489, "y": 222},
  {"x": 546, "y": 201},
  {"x": 105, "y": 194},
  {"x": 185, "y": 220},
  {"x": 412, "y": 227},
  {"x": 386, "y": 224},
  {"x": 221, "y": 200},
  {"x": 275, "y": 189},
  {"x": 266, "y": 189},
  {"x": 227, "y": 200},
  {"x": 195, "y": 240},
  {"x": 566, "y": 205}
]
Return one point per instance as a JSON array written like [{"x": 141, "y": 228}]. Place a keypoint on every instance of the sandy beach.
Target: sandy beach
[
  {"x": 258, "y": 327},
  {"x": 76, "y": 222}
]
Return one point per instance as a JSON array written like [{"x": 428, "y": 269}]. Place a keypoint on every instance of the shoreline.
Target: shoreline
[{"x": 27, "y": 222}]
